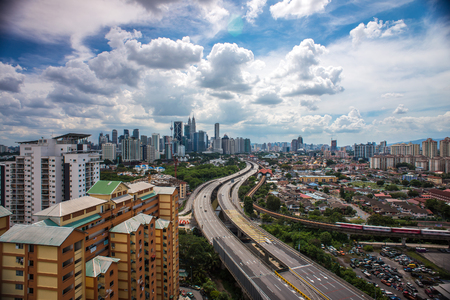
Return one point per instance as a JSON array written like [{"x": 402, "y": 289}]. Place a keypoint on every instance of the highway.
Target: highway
[
  {"x": 268, "y": 285},
  {"x": 314, "y": 281}
]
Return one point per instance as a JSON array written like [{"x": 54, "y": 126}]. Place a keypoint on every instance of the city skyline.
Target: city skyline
[{"x": 267, "y": 70}]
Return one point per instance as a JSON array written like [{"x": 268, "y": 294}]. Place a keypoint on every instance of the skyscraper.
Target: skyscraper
[
  {"x": 131, "y": 149},
  {"x": 216, "y": 131},
  {"x": 429, "y": 148},
  {"x": 294, "y": 145},
  {"x": 193, "y": 126},
  {"x": 126, "y": 133},
  {"x": 177, "y": 130},
  {"x": 300, "y": 141},
  {"x": 114, "y": 136},
  {"x": 155, "y": 141},
  {"x": 57, "y": 169},
  {"x": 144, "y": 140},
  {"x": 444, "y": 147},
  {"x": 333, "y": 145},
  {"x": 136, "y": 133}
]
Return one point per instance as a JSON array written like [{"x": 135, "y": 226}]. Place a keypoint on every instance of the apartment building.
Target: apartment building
[
  {"x": 430, "y": 148},
  {"x": 316, "y": 179},
  {"x": 42, "y": 262},
  {"x": 144, "y": 216},
  {"x": 405, "y": 149},
  {"x": 102, "y": 278},
  {"x": 4, "y": 220},
  {"x": 46, "y": 172},
  {"x": 109, "y": 151}
]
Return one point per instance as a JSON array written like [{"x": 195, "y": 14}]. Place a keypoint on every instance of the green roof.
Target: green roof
[
  {"x": 46, "y": 222},
  {"x": 4, "y": 212},
  {"x": 83, "y": 221},
  {"x": 152, "y": 194},
  {"x": 37, "y": 235},
  {"x": 99, "y": 265},
  {"x": 104, "y": 187},
  {"x": 161, "y": 224}
]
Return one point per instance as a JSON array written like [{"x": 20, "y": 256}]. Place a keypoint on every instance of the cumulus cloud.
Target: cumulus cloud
[
  {"x": 392, "y": 95},
  {"x": 154, "y": 5},
  {"x": 376, "y": 29},
  {"x": 439, "y": 123},
  {"x": 353, "y": 122},
  {"x": 268, "y": 98},
  {"x": 163, "y": 53},
  {"x": 301, "y": 74},
  {"x": 255, "y": 7},
  {"x": 310, "y": 104},
  {"x": 223, "y": 95},
  {"x": 76, "y": 74},
  {"x": 223, "y": 69},
  {"x": 297, "y": 8},
  {"x": 401, "y": 109},
  {"x": 10, "y": 79}
]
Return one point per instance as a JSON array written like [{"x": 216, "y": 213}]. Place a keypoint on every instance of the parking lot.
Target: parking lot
[
  {"x": 186, "y": 290},
  {"x": 396, "y": 273}
]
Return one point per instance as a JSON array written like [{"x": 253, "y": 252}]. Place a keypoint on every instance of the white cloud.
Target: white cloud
[
  {"x": 300, "y": 73},
  {"x": 392, "y": 95},
  {"x": 420, "y": 125},
  {"x": 297, "y": 8},
  {"x": 401, "y": 109},
  {"x": 223, "y": 69},
  {"x": 353, "y": 122},
  {"x": 255, "y": 7},
  {"x": 376, "y": 29},
  {"x": 10, "y": 79}
]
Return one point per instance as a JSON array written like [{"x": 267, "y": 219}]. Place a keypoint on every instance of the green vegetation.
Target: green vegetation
[
  {"x": 379, "y": 220},
  {"x": 112, "y": 176},
  {"x": 438, "y": 207},
  {"x": 201, "y": 262},
  {"x": 310, "y": 239},
  {"x": 246, "y": 187},
  {"x": 442, "y": 272},
  {"x": 195, "y": 176},
  {"x": 409, "y": 166}
]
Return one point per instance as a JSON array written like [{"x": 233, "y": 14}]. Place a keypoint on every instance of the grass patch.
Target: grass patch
[{"x": 442, "y": 273}]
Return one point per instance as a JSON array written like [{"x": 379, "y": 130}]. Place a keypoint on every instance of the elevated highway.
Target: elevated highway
[
  {"x": 305, "y": 275},
  {"x": 256, "y": 278}
]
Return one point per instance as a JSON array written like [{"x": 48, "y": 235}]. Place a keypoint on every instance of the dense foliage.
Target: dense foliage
[
  {"x": 438, "y": 207},
  {"x": 195, "y": 176},
  {"x": 309, "y": 240}
]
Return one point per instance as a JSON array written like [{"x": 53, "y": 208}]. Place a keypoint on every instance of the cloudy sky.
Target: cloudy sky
[{"x": 270, "y": 70}]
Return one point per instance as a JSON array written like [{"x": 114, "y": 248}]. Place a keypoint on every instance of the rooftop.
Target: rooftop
[
  {"x": 139, "y": 186},
  {"x": 161, "y": 224},
  {"x": 104, "y": 187},
  {"x": 4, "y": 212},
  {"x": 99, "y": 265},
  {"x": 37, "y": 235},
  {"x": 163, "y": 190},
  {"x": 67, "y": 207}
]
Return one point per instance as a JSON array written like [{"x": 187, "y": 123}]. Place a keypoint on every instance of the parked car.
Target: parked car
[
  {"x": 420, "y": 284},
  {"x": 190, "y": 295}
]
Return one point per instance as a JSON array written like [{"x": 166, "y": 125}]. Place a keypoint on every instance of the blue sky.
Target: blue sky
[{"x": 353, "y": 70}]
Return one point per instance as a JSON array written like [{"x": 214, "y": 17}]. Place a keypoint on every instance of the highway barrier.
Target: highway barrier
[{"x": 292, "y": 286}]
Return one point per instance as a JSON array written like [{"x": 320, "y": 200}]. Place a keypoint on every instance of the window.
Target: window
[
  {"x": 111, "y": 273},
  {"x": 30, "y": 276},
  {"x": 19, "y": 286},
  {"x": 111, "y": 283},
  {"x": 19, "y": 246},
  {"x": 19, "y": 273}
]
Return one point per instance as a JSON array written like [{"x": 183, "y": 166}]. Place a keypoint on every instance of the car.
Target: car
[
  {"x": 196, "y": 287},
  {"x": 420, "y": 284},
  {"x": 190, "y": 295},
  {"x": 385, "y": 282},
  {"x": 183, "y": 293}
]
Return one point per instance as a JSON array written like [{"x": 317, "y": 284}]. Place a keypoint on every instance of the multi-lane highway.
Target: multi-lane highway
[
  {"x": 304, "y": 274},
  {"x": 263, "y": 279}
]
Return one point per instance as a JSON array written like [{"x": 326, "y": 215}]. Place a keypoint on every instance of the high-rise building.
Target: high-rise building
[
  {"x": 429, "y": 148},
  {"x": 144, "y": 140},
  {"x": 49, "y": 171},
  {"x": 109, "y": 151},
  {"x": 216, "y": 131},
  {"x": 177, "y": 130},
  {"x": 193, "y": 126},
  {"x": 126, "y": 133},
  {"x": 405, "y": 149},
  {"x": 131, "y": 149},
  {"x": 121, "y": 242},
  {"x": 102, "y": 139},
  {"x": 333, "y": 145},
  {"x": 114, "y": 136},
  {"x": 247, "y": 146},
  {"x": 155, "y": 141},
  {"x": 364, "y": 151},
  {"x": 226, "y": 144},
  {"x": 300, "y": 141},
  {"x": 294, "y": 145},
  {"x": 444, "y": 147},
  {"x": 187, "y": 128},
  {"x": 136, "y": 133}
]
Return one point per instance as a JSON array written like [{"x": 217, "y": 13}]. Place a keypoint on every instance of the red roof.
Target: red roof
[{"x": 265, "y": 171}]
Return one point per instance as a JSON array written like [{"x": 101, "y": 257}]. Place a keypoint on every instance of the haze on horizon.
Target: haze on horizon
[{"x": 356, "y": 71}]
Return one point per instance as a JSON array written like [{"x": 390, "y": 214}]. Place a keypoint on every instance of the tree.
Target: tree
[
  {"x": 266, "y": 218},
  {"x": 273, "y": 203},
  {"x": 412, "y": 193},
  {"x": 391, "y": 187},
  {"x": 326, "y": 190},
  {"x": 380, "y": 182},
  {"x": 342, "y": 192},
  {"x": 288, "y": 175},
  {"x": 415, "y": 183},
  {"x": 325, "y": 238},
  {"x": 248, "y": 205},
  {"x": 405, "y": 182}
]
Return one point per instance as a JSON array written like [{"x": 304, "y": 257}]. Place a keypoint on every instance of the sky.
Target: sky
[{"x": 270, "y": 70}]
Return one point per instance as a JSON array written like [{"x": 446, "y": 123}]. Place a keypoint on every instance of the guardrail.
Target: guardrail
[{"x": 292, "y": 286}]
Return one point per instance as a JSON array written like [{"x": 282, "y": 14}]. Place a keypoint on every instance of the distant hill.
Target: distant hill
[{"x": 417, "y": 141}]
